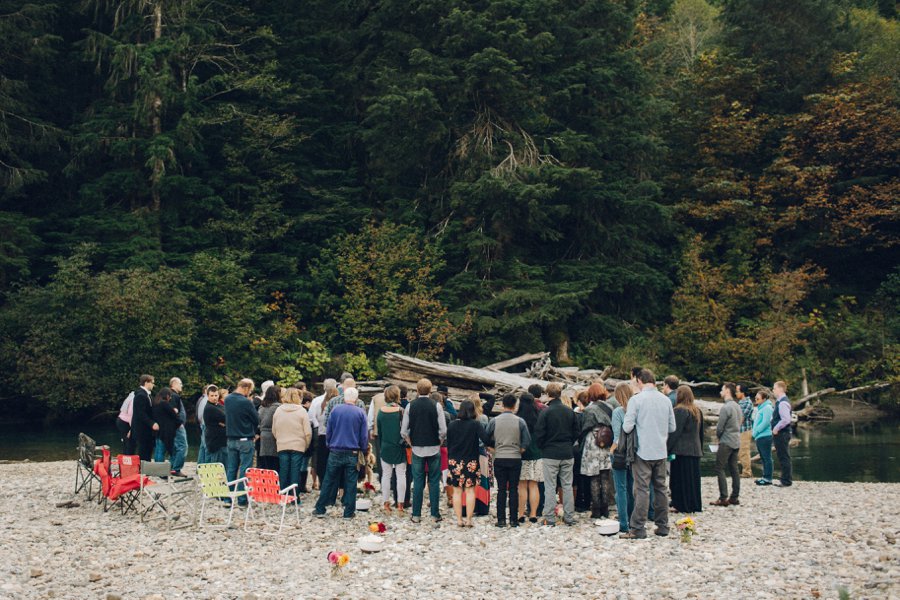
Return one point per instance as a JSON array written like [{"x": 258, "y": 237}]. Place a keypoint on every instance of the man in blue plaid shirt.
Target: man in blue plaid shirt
[{"x": 747, "y": 408}]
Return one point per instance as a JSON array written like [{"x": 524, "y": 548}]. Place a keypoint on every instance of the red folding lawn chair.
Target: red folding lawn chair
[{"x": 263, "y": 487}]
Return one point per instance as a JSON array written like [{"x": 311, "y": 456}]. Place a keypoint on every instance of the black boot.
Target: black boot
[{"x": 303, "y": 477}]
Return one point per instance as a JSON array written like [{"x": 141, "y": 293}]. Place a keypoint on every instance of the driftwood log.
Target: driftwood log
[
  {"x": 512, "y": 362},
  {"x": 797, "y": 404},
  {"x": 463, "y": 381},
  {"x": 865, "y": 388}
]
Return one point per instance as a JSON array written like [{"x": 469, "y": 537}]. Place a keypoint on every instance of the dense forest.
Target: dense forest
[{"x": 222, "y": 188}]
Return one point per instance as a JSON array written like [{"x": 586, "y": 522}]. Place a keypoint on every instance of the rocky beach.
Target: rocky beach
[{"x": 808, "y": 541}]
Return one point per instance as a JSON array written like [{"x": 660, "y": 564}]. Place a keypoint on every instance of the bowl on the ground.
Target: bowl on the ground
[
  {"x": 371, "y": 543},
  {"x": 607, "y": 526}
]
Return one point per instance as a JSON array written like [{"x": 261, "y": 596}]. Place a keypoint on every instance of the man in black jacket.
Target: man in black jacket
[
  {"x": 556, "y": 432},
  {"x": 142, "y": 423},
  {"x": 181, "y": 441}
]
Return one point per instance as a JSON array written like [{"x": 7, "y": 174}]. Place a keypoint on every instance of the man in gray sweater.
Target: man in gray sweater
[
  {"x": 511, "y": 438},
  {"x": 728, "y": 430},
  {"x": 651, "y": 415}
]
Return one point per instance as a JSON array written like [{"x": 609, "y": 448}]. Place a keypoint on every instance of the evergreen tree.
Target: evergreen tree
[
  {"x": 517, "y": 131},
  {"x": 791, "y": 43},
  {"x": 184, "y": 136}
]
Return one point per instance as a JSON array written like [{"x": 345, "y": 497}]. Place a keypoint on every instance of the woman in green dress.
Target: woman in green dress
[{"x": 393, "y": 454}]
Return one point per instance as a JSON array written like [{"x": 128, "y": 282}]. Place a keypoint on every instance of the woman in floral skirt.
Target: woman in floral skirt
[{"x": 463, "y": 436}]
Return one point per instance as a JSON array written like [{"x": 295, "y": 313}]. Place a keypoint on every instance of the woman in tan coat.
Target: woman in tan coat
[{"x": 293, "y": 433}]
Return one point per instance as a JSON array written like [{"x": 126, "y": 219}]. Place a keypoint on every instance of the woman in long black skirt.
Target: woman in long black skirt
[{"x": 686, "y": 443}]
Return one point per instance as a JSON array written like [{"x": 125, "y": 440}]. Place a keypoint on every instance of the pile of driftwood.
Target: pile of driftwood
[{"x": 463, "y": 381}]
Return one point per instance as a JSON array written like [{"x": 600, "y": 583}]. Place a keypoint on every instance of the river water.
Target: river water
[{"x": 849, "y": 451}]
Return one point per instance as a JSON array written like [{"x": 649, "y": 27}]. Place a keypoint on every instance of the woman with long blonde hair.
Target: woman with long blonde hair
[{"x": 622, "y": 477}]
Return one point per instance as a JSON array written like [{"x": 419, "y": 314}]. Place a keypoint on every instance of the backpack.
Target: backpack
[
  {"x": 623, "y": 455},
  {"x": 603, "y": 436}
]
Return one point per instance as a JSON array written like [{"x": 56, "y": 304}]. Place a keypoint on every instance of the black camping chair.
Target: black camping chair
[{"x": 85, "y": 477}]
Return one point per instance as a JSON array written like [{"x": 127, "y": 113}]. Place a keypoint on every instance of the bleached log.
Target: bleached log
[
  {"x": 796, "y": 404},
  {"x": 512, "y": 362},
  {"x": 865, "y": 388},
  {"x": 457, "y": 375}
]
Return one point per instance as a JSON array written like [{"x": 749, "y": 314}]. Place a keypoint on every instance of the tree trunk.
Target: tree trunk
[
  {"x": 562, "y": 351},
  {"x": 156, "y": 104}
]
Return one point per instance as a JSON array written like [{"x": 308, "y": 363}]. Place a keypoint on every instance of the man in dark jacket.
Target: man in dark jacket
[
  {"x": 142, "y": 423},
  {"x": 556, "y": 432},
  {"x": 241, "y": 421},
  {"x": 181, "y": 441},
  {"x": 214, "y": 423}
]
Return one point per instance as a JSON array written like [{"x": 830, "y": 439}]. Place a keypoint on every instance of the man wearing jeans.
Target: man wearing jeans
[
  {"x": 241, "y": 421},
  {"x": 181, "y": 441},
  {"x": 201, "y": 406},
  {"x": 781, "y": 432},
  {"x": 424, "y": 428},
  {"x": 650, "y": 413},
  {"x": 555, "y": 433},
  {"x": 348, "y": 434}
]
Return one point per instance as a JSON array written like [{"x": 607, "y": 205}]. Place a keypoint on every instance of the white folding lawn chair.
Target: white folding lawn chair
[{"x": 167, "y": 496}]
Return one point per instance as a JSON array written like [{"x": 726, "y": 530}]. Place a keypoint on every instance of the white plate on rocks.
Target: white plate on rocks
[{"x": 607, "y": 526}]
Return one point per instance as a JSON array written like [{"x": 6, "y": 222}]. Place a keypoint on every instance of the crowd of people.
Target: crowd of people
[{"x": 550, "y": 452}]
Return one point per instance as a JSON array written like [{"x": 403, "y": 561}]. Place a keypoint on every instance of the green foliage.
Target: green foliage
[
  {"x": 18, "y": 243},
  {"x": 726, "y": 325},
  {"x": 877, "y": 40},
  {"x": 853, "y": 346},
  {"x": 83, "y": 339},
  {"x": 27, "y": 46},
  {"x": 792, "y": 44},
  {"x": 463, "y": 180},
  {"x": 237, "y": 334},
  {"x": 622, "y": 357},
  {"x": 301, "y": 361},
  {"x": 360, "y": 365},
  {"x": 380, "y": 291}
]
